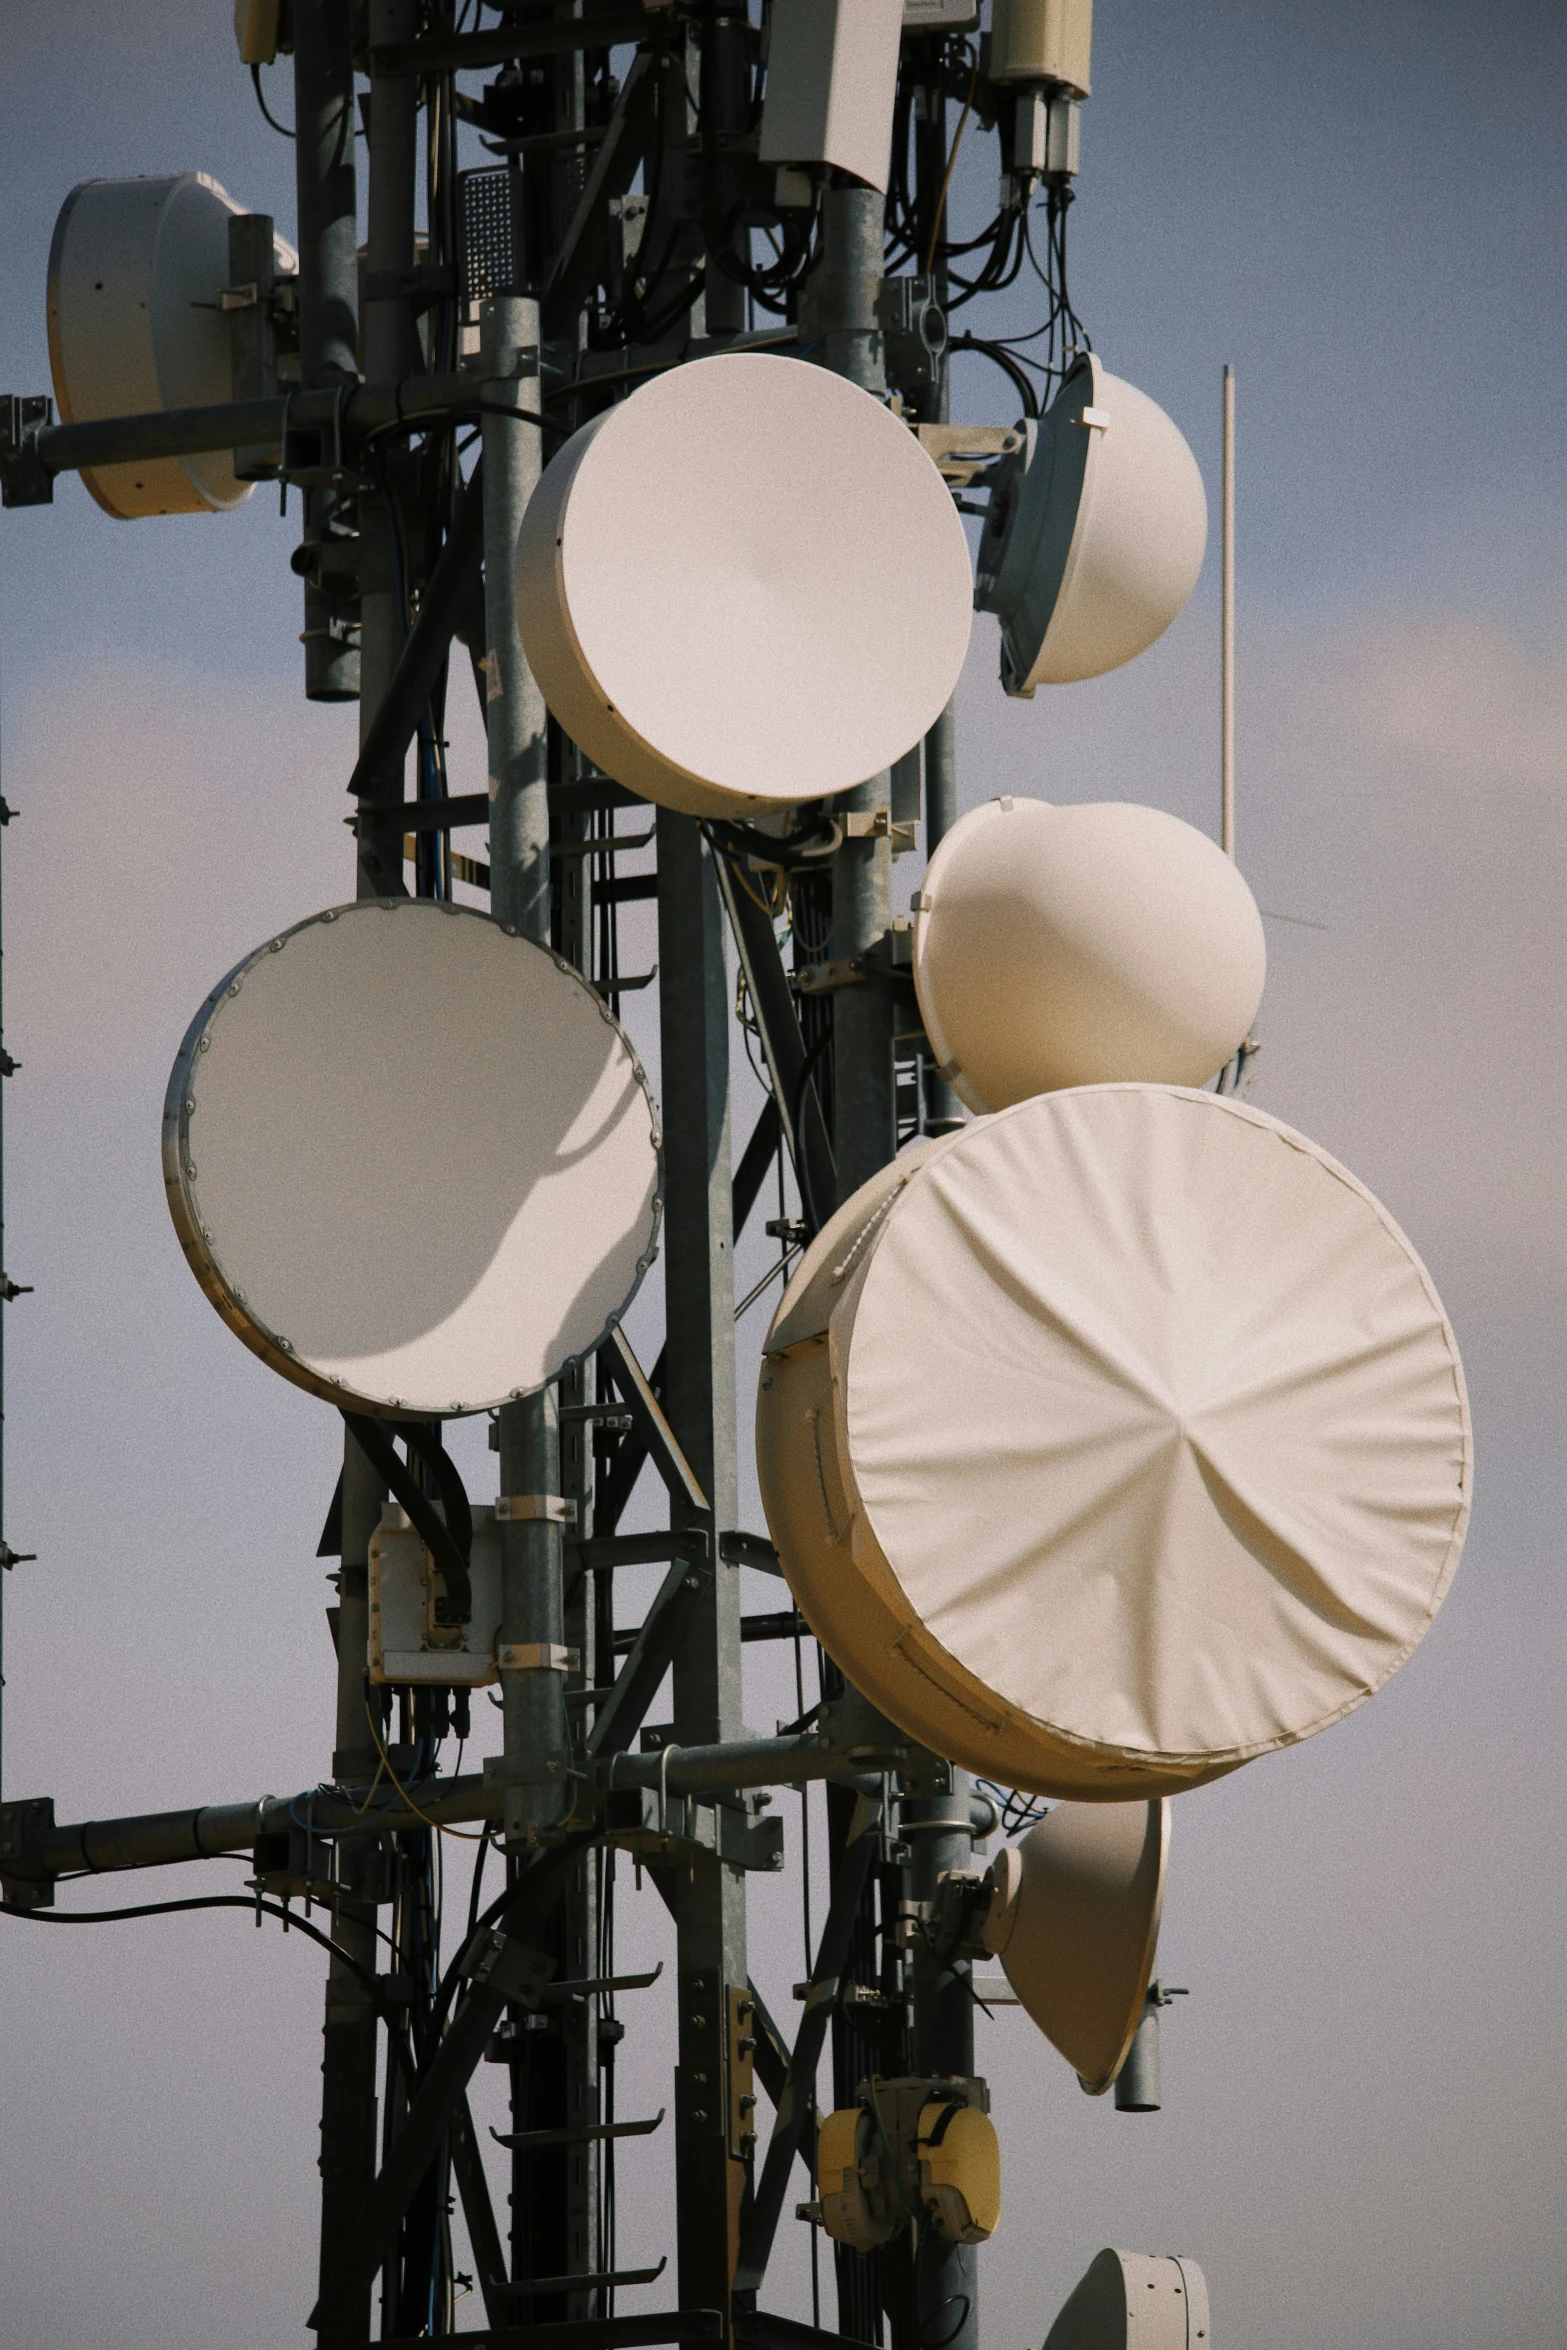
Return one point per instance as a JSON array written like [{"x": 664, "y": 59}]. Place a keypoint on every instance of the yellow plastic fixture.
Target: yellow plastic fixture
[{"x": 960, "y": 2171}]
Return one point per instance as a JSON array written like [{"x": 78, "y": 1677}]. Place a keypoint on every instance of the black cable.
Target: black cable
[
  {"x": 160, "y": 1909},
  {"x": 281, "y": 128},
  {"x": 1003, "y": 359}
]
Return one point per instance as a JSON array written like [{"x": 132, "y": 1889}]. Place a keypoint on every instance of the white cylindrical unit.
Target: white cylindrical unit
[
  {"x": 412, "y": 1159},
  {"x": 1095, "y": 534},
  {"x": 1061, "y": 946},
  {"x": 1114, "y": 1440},
  {"x": 135, "y": 272},
  {"x": 744, "y": 587}
]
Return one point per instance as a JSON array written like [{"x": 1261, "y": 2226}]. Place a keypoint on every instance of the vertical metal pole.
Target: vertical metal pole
[
  {"x": 390, "y": 354},
  {"x": 1227, "y": 630},
  {"x": 533, "y": 1697},
  {"x": 709, "y": 1895},
  {"x": 328, "y": 239},
  {"x": 865, "y": 1129},
  {"x": 516, "y": 720},
  {"x": 5, "y": 1548},
  {"x": 532, "y": 1555},
  {"x": 947, "y": 2275},
  {"x": 942, "y": 1107},
  {"x": 725, "y": 95},
  {"x": 348, "y": 2111}
]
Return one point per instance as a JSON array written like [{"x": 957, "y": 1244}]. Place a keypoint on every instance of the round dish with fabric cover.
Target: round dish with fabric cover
[{"x": 1114, "y": 1440}]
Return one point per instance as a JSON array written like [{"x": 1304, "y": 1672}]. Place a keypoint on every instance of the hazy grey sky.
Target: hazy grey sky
[{"x": 1363, "y": 207}]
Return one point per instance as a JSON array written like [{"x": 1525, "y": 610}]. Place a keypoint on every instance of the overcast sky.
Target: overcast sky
[{"x": 1362, "y": 206}]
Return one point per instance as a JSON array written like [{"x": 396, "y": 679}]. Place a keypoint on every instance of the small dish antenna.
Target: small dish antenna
[
  {"x": 136, "y": 270},
  {"x": 1079, "y": 945},
  {"x": 1095, "y": 534},
  {"x": 744, "y": 587},
  {"x": 1074, "y": 1919},
  {"x": 1114, "y": 1440},
  {"x": 1135, "y": 2301},
  {"x": 412, "y": 1159}
]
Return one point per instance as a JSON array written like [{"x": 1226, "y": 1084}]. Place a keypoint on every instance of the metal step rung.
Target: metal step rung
[
  {"x": 536, "y": 2286},
  {"x": 527, "y": 2139}
]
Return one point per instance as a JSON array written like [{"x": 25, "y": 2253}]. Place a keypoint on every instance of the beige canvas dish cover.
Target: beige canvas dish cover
[
  {"x": 1078, "y": 945},
  {"x": 412, "y": 1159},
  {"x": 1113, "y": 1440},
  {"x": 744, "y": 587}
]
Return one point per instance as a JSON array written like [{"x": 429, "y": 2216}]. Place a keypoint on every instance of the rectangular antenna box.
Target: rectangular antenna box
[
  {"x": 1042, "y": 41},
  {"x": 406, "y": 1642},
  {"x": 832, "y": 77}
]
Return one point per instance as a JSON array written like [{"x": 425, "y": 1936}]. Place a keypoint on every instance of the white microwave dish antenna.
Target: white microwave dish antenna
[
  {"x": 1060, "y": 946},
  {"x": 412, "y": 1159},
  {"x": 1095, "y": 534},
  {"x": 135, "y": 271},
  {"x": 1117, "y": 1439},
  {"x": 744, "y": 587}
]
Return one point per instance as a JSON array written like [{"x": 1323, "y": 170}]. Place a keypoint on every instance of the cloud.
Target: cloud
[
  {"x": 1441, "y": 696},
  {"x": 169, "y": 824}
]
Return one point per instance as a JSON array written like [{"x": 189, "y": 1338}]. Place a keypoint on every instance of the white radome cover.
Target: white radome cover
[
  {"x": 1080, "y": 945},
  {"x": 412, "y": 1159},
  {"x": 1146, "y": 1448},
  {"x": 135, "y": 270},
  {"x": 744, "y": 587}
]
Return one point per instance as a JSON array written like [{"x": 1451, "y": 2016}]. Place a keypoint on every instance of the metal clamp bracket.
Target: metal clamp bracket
[
  {"x": 536, "y": 1656},
  {"x": 552, "y": 1509}
]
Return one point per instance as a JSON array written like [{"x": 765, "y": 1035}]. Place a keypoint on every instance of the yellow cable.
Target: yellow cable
[
  {"x": 464, "y": 1835},
  {"x": 946, "y": 178}
]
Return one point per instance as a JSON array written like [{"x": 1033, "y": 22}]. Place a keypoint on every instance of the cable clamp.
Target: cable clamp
[
  {"x": 551, "y": 1509},
  {"x": 537, "y": 1656}
]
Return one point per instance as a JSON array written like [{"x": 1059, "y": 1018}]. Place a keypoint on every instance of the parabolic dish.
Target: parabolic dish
[
  {"x": 1095, "y": 533},
  {"x": 1081, "y": 945},
  {"x": 1074, "y": 1919},
  {"x": 744, "y": 587},
  {"x": 412, "y": 1159},
  {"x": 1121, "y": 1439}
]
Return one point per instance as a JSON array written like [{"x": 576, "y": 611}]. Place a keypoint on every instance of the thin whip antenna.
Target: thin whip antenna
[{"x": 1227, "y": 631}]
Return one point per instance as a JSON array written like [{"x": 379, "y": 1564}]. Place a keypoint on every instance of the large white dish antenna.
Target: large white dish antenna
[
  {"x": 1095, "y": 534},
  {"x": 1074, "y": 1919},
  {"x": 1079, "y": 945},
  {"x": 1121, "y": 1439},
  {"x": 135, "y": 271},
  {"x": 744, "y": 587},
  {"x": 412, "y": 1159}
]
